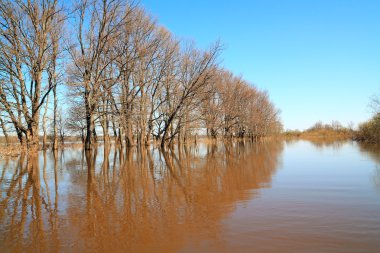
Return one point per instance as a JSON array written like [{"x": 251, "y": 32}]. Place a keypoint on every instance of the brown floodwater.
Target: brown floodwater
[{"x": 278, "y": 196}]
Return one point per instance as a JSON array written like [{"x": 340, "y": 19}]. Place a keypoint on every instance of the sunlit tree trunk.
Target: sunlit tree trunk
[
  {"x": 5, "y": 131},
  {"x": 44, "y": 128}
]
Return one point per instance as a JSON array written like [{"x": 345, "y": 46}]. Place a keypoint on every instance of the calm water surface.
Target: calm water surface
[{"x": 270, "y": 197}]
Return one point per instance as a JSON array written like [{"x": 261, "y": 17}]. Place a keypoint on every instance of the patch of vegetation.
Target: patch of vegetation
[
  {"x": 335, "y": 130},
  {"x": 370, "y": 131}
]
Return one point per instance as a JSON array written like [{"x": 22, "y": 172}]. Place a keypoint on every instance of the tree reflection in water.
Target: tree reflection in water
[
  {"x": 370, "y": 150},
  {"x": 139, "y": 200},
  {"x": 373, "y": 152},
  {"x": 29, "y": 209}
]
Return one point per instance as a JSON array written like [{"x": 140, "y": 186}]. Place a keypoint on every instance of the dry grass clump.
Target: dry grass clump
[{"x": 11, "y": 151}]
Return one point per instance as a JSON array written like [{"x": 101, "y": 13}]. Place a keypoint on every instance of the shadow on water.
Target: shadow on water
[{"x": 119, "y": 200}]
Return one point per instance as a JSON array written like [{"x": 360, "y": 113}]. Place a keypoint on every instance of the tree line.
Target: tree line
[
  {"x": 121, "y": 73},
  {"x": 369, "y": 131}
]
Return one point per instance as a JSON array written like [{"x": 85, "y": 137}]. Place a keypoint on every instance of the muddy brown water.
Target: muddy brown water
[{"x": 278, "y": 196}]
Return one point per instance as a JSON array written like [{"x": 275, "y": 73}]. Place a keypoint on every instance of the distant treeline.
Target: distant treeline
[
  {"x": 368, "y": 131},
  {"x": 120, "y": 74},
  {"x": 334, "y": 130}
]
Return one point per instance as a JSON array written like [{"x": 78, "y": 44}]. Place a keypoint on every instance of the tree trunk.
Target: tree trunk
[
  {"x": 20, "y": 137},
  {"x": 44, "y": 140},
  {"x": 55, "y": 127},
  {"x": 89, "y": 130},
  {"x": 106, "y": 136},
  {"x": 120, "y": 138},
  {"x": 128, "y": 134},
  {"x": 149, "y": 133},
  {"x": 143, "y": 114},
  {"x": 114, "y": 129},
  {"x": 32, "y": 136},
  {"x": 5, "y": 132},
  {"x": 82, "y": 135}
]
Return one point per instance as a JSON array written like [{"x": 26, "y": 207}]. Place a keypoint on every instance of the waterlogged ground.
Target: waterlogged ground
[{"x": 269, "y": 197}]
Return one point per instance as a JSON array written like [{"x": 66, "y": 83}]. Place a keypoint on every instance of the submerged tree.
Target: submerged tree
[
  {"x": 238, "y": 109},
  {"x": 369, "y": 131},
  {"x": 25, "y": 42},
  {"x": 124, "y": 74},
  {"x": 99, "y": 27}
]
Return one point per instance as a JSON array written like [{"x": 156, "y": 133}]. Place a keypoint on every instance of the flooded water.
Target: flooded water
[{"x": 270, "y": 197}]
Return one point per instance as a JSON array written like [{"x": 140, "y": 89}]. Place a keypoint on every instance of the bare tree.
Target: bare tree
[
  {"x": 375, "y": 104},
  {"x": 4, "y": 128},
  {"x": 54, "y": 77},
  {"x": 98, "y": 24},
  {"x": 238, "y": 109},
  {"x": 76, "y": 122},
  {"x": 196, "y": 70},
  {"x": 124, "y": 73},
  {"x": 61, "y": 123},
  {"x": 44, "y": 126},
  {"x": 25, "y": 28}
]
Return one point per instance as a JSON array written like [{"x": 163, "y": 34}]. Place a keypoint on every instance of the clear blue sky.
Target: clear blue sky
[{"x": 318, "y": 59}]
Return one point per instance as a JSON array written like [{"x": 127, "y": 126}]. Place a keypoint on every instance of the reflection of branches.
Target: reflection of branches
[
  {"x": 5, "y": 167},
  {"x": 375, "y": 103},
  {"x": 25, "y": 192},
  {"x": 131, "y": 199},
  {"x": 14, "y": 186},
  {"x": 169, "y": 164},
  {"x": 373, "y": 152},
  {"x": 377, "y": 177},
  {"x": 322, "y": 143}
]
